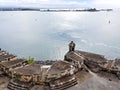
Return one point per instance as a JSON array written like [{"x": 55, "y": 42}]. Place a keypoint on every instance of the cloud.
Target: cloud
[
  {"x": 85, "y": 3},
  {"x": 106, "y": 3},
  {"x": 45, "y": 1}
]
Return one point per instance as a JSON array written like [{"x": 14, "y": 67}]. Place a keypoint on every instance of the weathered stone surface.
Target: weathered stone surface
[
  {"x": 94, "y": 62},
  {"x": 4, "y": 82},
  {"x": 89, "y": 71}
]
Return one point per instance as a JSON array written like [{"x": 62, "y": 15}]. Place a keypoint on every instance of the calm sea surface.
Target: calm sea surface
[{"x": 45, "y": 35}]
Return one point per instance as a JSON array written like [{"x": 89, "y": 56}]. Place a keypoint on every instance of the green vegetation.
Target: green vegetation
[{"x": 31, "y": 60}]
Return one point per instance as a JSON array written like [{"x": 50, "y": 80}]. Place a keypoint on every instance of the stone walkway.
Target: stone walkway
[{"x": 97, "y": 83}]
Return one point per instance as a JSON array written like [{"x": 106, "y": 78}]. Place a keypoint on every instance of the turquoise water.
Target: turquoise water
[{"x": 45, "y": 35}]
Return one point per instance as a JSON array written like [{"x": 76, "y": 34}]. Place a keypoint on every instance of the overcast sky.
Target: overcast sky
[{"x": 55, "y": 3}]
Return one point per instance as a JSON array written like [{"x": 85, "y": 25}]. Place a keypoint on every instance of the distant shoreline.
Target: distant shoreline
[{"x": 55, "y": 10}]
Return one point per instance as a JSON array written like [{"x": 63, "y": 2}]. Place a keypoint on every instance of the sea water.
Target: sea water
[{"x": 45, "y": 35}]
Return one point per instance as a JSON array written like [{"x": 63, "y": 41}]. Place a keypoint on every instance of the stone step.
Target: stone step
[
  {"x": 65, "y": 85},
  {"x": 68, "y": 82},
  {"x": 17, "y": 87},
  {"x": 11, "y": 88},
  {"x": 14, "y": 85}
]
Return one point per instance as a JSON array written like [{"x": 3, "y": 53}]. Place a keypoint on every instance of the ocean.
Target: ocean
[{"x": 46, "y": 35}]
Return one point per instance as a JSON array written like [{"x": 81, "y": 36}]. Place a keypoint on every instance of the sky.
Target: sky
[{"x": 62, "y": 3}]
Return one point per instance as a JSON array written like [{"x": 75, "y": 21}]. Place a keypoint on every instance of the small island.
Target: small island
[{"x": 79, "y": 70}]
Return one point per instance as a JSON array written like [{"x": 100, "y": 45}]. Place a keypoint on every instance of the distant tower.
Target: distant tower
[{"x": 71, "y": 46}]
